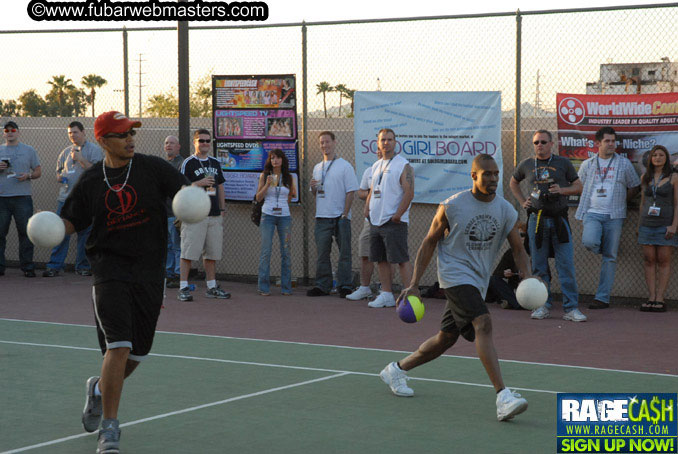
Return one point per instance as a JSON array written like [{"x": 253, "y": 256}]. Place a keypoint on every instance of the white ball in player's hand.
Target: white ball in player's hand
[
  {"x": 46, "y": 229},
  {"x": 191, "y": 204},
  {"x": 531, "y": 293}
]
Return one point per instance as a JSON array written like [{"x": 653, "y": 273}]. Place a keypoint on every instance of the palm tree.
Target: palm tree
[
  {"x": 60, "y": 85},
  {"x": 93, "y": 82},
  {"x": 324, "y": 88},
  {"x": 349, "y": 94},
  {"x": 340, "y": 88}
]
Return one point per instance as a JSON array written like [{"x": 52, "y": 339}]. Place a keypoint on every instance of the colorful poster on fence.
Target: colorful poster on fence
[
  {"x": 253, "y": 115},
  {"x": 439, "y": 133},
  {"x": 641, "y": 122}
]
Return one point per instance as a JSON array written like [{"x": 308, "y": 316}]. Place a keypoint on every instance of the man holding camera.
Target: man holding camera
[
  {"x": 551, "y": 180},
  {"x": 71, "y": 163}
]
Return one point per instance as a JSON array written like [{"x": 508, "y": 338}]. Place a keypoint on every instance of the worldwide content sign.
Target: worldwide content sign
[
  {"x": 617, "y": 423},
  {"x": 439, "y": 133},
  {"x": 641, "y": 122}
]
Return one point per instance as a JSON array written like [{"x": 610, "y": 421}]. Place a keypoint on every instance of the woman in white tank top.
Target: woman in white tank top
[{"x": 276, "y": 189}]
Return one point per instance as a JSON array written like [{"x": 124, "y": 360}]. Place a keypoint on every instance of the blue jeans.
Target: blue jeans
[
  {"x": 564, "y": 258},
  {"x": 340, "y": 229},
  {"x": 173, "y": 248},
  {"x": 267, "y": 227},
  {"x": 601, "y": 236},
  {"x": 59, "y": 253},
  {"x": 21, "y": 207}
]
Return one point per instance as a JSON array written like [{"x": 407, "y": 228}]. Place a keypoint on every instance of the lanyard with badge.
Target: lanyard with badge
[
  {"x": 211, "y": 190},
  {"x": 540, "y": 174},
  {"x": 654, "y": 210},
  {"x": 277, "y": 209},
  {"x": 321, "y": 190},
  {"x": 382, "y": 171},
  {"x": 601, "y": 191}
]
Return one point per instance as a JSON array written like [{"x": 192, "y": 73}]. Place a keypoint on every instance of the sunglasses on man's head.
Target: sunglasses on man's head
[
  {"x": 121, "y": 135},
  {"x": 204, "y": 140},
  {"x": 10, "y": 129},
  {"x": 543, "y": 142}
]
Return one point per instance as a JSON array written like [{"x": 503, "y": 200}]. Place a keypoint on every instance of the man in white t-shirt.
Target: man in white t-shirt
[
  {"x": 333, "y": 185},
  {"x": 609, "y": 181},
  {"x": 388, "y": 208}
]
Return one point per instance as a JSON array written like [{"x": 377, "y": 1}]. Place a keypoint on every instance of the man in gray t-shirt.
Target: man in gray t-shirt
[
  {"x": 19, "y": 164},
  {"x": 468, "y": 230},
  {"x": 71, "y": 163}
]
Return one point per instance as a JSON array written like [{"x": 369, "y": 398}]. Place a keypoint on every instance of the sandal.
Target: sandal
[
  {"x": 647, "y": 306},
  {"x": 659, "y": 306}
]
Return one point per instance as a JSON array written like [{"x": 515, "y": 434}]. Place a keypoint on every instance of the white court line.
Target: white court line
[
  {"x": 280, "y": 366},
  {"x": 178, "y": 412},
  {"x": 531, "y": 363}
]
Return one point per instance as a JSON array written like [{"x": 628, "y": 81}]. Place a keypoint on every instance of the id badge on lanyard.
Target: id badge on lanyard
[{"x": 211, "y": 190}]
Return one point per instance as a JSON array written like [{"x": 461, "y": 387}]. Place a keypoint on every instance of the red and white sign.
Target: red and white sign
[{"x": 640, "y": 121}]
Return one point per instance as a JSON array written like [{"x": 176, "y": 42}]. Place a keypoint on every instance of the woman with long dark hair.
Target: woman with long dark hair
[
  {"x": 276, "y": 189},
  {"x": 657, "y": 225}
]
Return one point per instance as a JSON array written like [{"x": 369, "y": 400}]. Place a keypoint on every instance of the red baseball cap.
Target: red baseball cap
[{"x": 113, "y": 122}]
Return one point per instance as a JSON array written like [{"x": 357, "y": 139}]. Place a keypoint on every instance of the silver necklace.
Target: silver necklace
[{"x": 129, "y": 167}]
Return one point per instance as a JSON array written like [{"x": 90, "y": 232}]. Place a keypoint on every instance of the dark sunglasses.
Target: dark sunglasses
[
  {"x": 543, "y": 142},
  {"x": 204, "y": 140},
  {"x": 10, "y": 130},
  {"x": 122, "y": 135}
]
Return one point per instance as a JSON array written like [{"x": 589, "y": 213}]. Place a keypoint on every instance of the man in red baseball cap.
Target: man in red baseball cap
[{"x": 124, "y": 200}]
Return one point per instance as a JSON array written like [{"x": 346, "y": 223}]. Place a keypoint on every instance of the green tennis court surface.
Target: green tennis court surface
[{"x": 201, "y": 394}]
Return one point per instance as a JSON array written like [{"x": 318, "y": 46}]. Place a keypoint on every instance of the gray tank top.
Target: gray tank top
[
  {"x": 664, "y": 201},
  {"x": 477, "y": 231}
]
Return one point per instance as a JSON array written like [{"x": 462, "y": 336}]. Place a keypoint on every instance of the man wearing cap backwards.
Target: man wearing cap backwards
[
  {"x": 19, "y": 164},
  {"x": 124, "y": 199}
]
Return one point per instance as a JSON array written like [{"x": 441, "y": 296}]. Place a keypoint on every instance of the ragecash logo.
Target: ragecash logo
[
  {"x": 571, "y": 110},
  {"x": 617, "y": 423}
]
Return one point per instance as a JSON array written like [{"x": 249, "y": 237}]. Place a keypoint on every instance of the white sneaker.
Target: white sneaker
[
  {"x": 383, "y": 300},
  {"x": 541, "y": 313},
  {"x": 360, "y": 293},
  {"x": 396, "y": 379},
  {"x": 575, "y": 315},
  {"x": 509, "y": 404}
]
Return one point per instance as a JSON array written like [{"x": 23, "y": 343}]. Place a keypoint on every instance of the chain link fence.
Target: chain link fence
[{"x": 558, "y": 52}]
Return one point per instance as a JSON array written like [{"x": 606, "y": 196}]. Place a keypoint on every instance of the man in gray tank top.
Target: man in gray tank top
[{"x": 468, "y": 231}]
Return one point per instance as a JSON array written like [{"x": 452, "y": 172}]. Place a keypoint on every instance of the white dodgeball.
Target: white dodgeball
[
  {"x": 191, "y": 204},
  {"x": 46, "y": 229},
  {"x": 531, "y": 293}
]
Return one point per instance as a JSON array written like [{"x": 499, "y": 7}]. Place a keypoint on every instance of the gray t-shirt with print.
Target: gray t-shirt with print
[
  {"x": 556, "y": 170},
  {"x": 477, "y": 232}
]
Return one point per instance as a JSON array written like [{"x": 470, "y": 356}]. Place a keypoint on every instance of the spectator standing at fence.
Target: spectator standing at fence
[
  {"x": 205, "y": 237},
  {"x": 276, "y": 188},
  {"x": 551, "y": 180},
  {"x": 388, "y": 208},
  {"x": 468, "y": 230},
  {"x": 19, "y": 164},
  {"x": 71, "y": 163},
  {"x": 657, "y": 225},
  {"x": 172, "y": 268},
  {"x": 366, "y": 266},
  {"x": 609, "y": 181},
  {"x": 122, "y": 198},
  {"x": 333, "y": 184}
]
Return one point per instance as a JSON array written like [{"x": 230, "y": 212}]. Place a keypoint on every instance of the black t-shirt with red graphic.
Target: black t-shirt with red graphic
[{"x": 128, "y": 241}]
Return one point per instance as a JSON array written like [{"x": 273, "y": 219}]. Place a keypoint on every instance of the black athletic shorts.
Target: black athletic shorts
[
  {"x": 464, "y": 303},
  {"x": 126, "y": 314}
]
